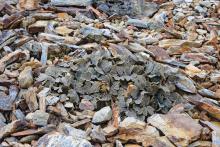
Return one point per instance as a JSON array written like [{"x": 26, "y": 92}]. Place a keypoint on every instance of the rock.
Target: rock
[
  {"x": 201, "y": 144},
  {"x": 200, "y": 9},
  {"x": 189, "y": 130},
  {"x": 39, "y": 26},
  {"x": 28, "y": 139},
  {"x": 103, "y": 115},
  {"x": 178, "y": 2},
  {"x": 86, "y": 105},
  {"x": 12, "y": 127},
  {"x": 7, "y": 101},
  {"x": 57, "y": 139},
  {"x": 150, "y": 8},
  {"x": 52, "y": 100},
  {"x": 92, "y": 33},
  {"x": 30, "y": 97},
  {"x": 166, "y": 43},
  {"x": 25, "y": 78},
  {"x": 68, "y": 130},
  {"x": 215, "y": 76},
  {"x": 215, "y": 133},
  {"x": 201, "y": 57},
  {"x": 158, "y": 142},
  {"x": 131, "y": 123},
  {"x": 110, "y": 131},
  {"x": 40, "y": 118},
  {"x": 71, "y": 2},
  {"x": 63, "y": 30},
  {"x": 131, "y": 129},
  {"x": 10, "y": 58},
  {"x": 207, "y": 93},
  {"x": 185, "y": 84},
  {"x": 97, "y": 134},
  {"x": 28, "y": 4},
  {"x": 145, "y": 24}
]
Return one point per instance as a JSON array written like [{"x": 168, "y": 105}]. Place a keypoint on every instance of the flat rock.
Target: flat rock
[
  {"x": 131, "y": 123},
  {"x": 188, "y": 129},
  {"x": 57, "y": 139},
  {"x": 25, "y": 78},
  {"x": 185, "y": 84},
  {"x": 103, "y": 115},
  {"x": 71, "y": 2},
  {"x": 201, "y": 57}
]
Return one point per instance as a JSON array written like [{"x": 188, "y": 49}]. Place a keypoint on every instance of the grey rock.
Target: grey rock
[
  {"x": 40, "y": 118},
  {"x": 97, "y": 134},
  {"x": 71, "y": 2},
  {"x": 103, "y": 115},
  {"x": 178, "y": 2},
  {"x": 25, "y": 78},
  {"x": 52, "y": 100},
  {"x": 59, "y": 140},
  {"x": 68, "y": 130},
  {"x": 185, "y": 84},
  {"x": 200, "y": 9},
  {"x": 146, "y": 24},
  {"x": 150, "y": 9}
]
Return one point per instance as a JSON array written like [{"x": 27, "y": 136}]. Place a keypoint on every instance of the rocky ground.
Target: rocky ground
[{"x": 109, "y": 73}]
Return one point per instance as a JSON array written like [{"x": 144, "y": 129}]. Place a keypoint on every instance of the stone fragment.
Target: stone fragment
[
  {"x": 10, "y": 58},
  {"x": 28, "y": 4},
  {"x": 110, "y": 131},
  {"x": 146, "y": 24},
  {"x": 7, "y": 101},
  {"x": 86, "y": 105},
  {"x": 166, "y": 43},
  {"x": 52, "y": 100},
  {"x": 63, "y": 30},
  {"x": 25, "y": 78},
  {"x": 131, "y": 123},
  {"x": 188, "y": 129},
  {"x": 71, "y": 2},
  {"x": 40, "y": 118},
  {"x": 30, "y": 97},
  {"x": 201, "y": 57},
  {"x": 97, "y": 134},
  {"x": 57, "y": 139},
  {"x": 73, "y": 132},
  {"x": 12, "y": 127},
  {"x": 215, "y": 76},
  {"x": 201, "y": 144},
  {"x": 150, "y": 8},
  {"x": 103, "y": 115},
  {"x": 185, "y": 84}
]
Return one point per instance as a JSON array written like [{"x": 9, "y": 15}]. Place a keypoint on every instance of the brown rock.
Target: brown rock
[
  {"x": 28, "y": 4},
  {"x": 31, "y": 99},
  {"x": 188, "y": 129},
  {"x": 10, "y": 58},
  {"x": 25, "y": 78}
]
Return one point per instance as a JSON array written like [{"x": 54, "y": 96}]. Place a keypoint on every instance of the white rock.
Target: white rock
[{"x": 103, "y": 115}]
